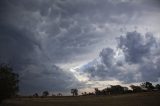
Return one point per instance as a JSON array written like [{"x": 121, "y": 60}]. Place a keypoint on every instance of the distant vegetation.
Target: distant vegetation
[
  {"x": 45, "y": 93},
  {"x": 118, "y": 89}
]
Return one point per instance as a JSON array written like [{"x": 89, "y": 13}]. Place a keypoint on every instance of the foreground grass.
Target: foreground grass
[{"x": 140, "y": 99}]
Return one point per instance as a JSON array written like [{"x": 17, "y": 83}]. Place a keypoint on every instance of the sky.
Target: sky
[{"x": 57, "y": 45}]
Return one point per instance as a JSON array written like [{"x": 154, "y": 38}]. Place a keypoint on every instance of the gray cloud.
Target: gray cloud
[
  {"x": 107, "y": 56},
  {"x": 141, "y": 61},
  {"x": 135, "y": 47}
]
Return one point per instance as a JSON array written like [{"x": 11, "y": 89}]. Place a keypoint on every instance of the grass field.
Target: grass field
[{"x": 140, "y": 99}]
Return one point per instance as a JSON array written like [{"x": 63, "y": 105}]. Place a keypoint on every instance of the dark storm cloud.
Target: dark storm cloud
[
  {"x": 70, "y": 25},
  {"x": 22, "y": 48},
  {"x": 67, "y": 26},
  {"x": 141, "y": 61}
]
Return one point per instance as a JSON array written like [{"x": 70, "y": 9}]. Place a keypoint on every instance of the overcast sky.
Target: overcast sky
[{"x": 57, "y": 45}]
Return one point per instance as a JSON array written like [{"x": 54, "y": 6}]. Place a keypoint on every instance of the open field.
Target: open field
[{"x": 140, "y": 99}]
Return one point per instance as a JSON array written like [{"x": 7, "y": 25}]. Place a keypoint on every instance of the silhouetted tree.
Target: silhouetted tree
[
  {"x": 136, "y": 88},
  {"x": 157, "y": 86},
  {"x": 8, "y": 82},
  {"x": 116, "y": 89},
  {"x": 97, "y": 91},
  {"x": 74, "y": 92},
  {"x": 45, "y": 93},
  {"x": 84, "y": 93},
  {"x": 35, "y": 95},
  {"x": 90, "y": 93},
  {"x": 147, "y": 85}
]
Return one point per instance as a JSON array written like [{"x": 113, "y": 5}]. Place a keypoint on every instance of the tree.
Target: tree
[
  {"x": 116, "y": 89},
  {"x": 35, "y": 95},
  {"x": 45, "y": 93},
  {"x": 136, "y": 88},
  {"x": 97, "y": 91},
  {"x": 84, "y": 93},
  {"x": 147, "y": 85},
  {"x": 74, "y": 92},
  {"x": 8, "y": 82},
  {"x": 157, "y": 86}
]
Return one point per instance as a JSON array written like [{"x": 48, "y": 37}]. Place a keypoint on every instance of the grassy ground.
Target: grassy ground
[{"x": 140, "y": 99}]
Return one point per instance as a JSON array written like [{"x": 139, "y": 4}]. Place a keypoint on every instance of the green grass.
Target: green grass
[{"x": 140, "y": 99}]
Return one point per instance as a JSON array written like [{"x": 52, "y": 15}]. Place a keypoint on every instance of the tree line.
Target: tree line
[
  {"x": 118, "y": 89},
  {"x": 112, "y": 90}
]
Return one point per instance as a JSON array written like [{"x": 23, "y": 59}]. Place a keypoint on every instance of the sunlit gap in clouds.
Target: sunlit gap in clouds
[{"x": 80, "y": 77}]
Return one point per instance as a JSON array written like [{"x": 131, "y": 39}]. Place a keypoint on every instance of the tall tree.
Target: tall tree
[
  {"x": 157, "y": 86},
  {"x": 97, "y": 91},
  {"x": 116, "y": 89},
  {"x": 35, "y": 95},
  {"x": 8, "y": 82},
  {"x": 147, "y": 85},
  {"x": 45, "y": 93},
  {"x": 136, "y": 88},
  {"x": 74, "y": 92}
]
